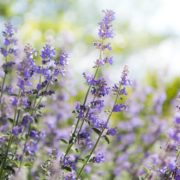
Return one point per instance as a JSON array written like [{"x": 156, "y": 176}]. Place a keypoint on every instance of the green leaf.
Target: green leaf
[
  {"x": 106, "y": 139},
  {"x": 64, "y": 141},
  {"x": 86, "y": 157},
  {"x": 96, "y": 131},
  {"x": 10, "y": 120},
  {"x": 74, "y": 149},
  {"x": 67, "y": 168},
  {"x": 81, "y": 159},
  {"x": 28, "y": 164}
]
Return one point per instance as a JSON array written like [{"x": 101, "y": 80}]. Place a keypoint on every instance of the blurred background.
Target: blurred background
[{"x": 147, "y": 34}]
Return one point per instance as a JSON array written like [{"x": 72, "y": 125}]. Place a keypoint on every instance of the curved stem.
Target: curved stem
[
  {"x": 74, "y": 134},
  {"x": 2, "y": 86},
  {"x": 99, "y": 137},
  {"x": 10, "y": 139},
  {"x": 78, "y": 121},
  {"x": 85, "y": 118},
  {"x": 93, "y": 149},
  {"x": 34, "y": 107},
  {"x": 5, "y": 158}
]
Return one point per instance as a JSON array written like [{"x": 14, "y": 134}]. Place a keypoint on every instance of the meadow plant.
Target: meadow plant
[{"x": 44, "y": 136}]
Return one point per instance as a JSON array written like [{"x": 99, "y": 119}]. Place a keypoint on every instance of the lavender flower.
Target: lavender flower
[
  {"x": 26, "y": 68},
  {"x": 36, "y": 105},
  {"x": 98, "y": 158},
  {"x": 112, "y": 132},
  {"x": 105, "y": 29},
  {"x": 16, "y": 130},
  {"x": 119, "y": 108},
  {"x": 47, "y": 54},
  {"x": 9, "y": 40}
]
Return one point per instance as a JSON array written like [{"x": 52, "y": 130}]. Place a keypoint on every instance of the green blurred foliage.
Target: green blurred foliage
[{"x": 37, "y": 19}]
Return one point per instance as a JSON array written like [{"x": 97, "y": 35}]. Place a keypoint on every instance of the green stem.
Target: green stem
[
  {"x": 6, "y": 155},
  {"x": 83, "y": 120},
  {"x": 74, "y": 135},
  {"x": 93, "y": 149},
  {"x": 82, "y": 168},
  {"x": 78, "y": 121},
  {"x": 29, "y": 129},
  {"x": 99, "y": 137},
  {"x": 16, "y": 111},
  {"x": 10, "y": 139},
  {"x": 2, "y": 86},
  {"x": 34, "y": 106}
]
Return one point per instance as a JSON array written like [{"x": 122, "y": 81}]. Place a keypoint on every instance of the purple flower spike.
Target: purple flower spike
[
  {"x": 177, "y": 120},
  {"x": 63, "y": 59},
  {"x": 17, "y": 130},
  {"x": 112, "y": 132},
  {"x": 14, "y": 101},
  {"x": 105, "y": 29},
  {"x": 48, "y": 53},
  {"x": 98, "y": 158},
  {"x": 119, "y": 108}
]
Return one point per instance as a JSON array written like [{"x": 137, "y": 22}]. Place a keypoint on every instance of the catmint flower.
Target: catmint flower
[
  {"x": 71, "y": 161},
  {"x": 9, "y": 41},
  {"x": 71, "y": 176},
  {"x": 48, "y": 53},
  {"x": 26, "y": 102},
  {"x": 172, "y": 164},
  {"x": 175, "y": 134},
  {"x": 124, "y": 78},
  {"x": 80, "y": 109},
  {"x": 14, "y": 101},
  {"x": 27, "y": 119},
  {"x": 120, "y": 89},
  {"x": 98, "y": 158},
  {"x": 42, "y": 85},
  {"x": 102, "y": 62},
  {"x": 8, "y": 34},
  {"x": 17, "y": 130},
  {"x": 61, "y": 64},
  {"x": 2, "y": 140},
  {"x": 108, "y": 60},
  {"x": 177, "y": 120},
  {"x": 34, "y": 134},
  {"x": 63, "y": 58},
  {"x": 10, "y": 90},
  {"x": 177, "y": 176},
  {"x": 26, "y": 68},
  {"x": 105, "y": 26},
  {"x": 119, "y": 108},
  {"x": 89, "y": 79},
  {"x": 112, "y": 132},
  {"x": 103, "y": 47},
  {"x": 4, "y": 52},
  {"x": 100, "y": 88},
  {"x": 97, "y": 104},
  {"x": 31, "y": 147},
  {"x": 84, "y": 139},
  {"x": 94, "y": 119},
  {"x": 99, "y": 62}
]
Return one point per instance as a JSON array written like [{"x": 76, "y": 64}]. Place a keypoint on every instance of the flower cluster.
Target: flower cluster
[
  {"x": 41, "y": 139},
  {"x": 20, "y": 135}
]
